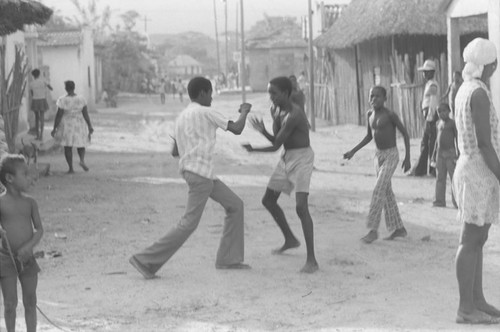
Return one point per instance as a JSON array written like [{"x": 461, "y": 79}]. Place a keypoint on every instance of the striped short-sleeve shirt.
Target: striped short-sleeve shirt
[{"x": 195, "y": 133}]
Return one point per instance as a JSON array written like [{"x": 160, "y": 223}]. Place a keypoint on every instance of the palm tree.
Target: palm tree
[{"x": 14, "y": 14}]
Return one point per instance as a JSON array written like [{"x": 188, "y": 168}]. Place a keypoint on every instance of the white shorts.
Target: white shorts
[{"x": 294, "y": 171}]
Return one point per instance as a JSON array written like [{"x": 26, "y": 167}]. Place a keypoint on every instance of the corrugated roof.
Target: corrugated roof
[
  {"x": 363, "y": 20},
  {"x": 60, "y": 38}
]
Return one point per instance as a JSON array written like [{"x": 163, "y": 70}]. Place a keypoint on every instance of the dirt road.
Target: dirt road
[{"x": 133, "y": 194}]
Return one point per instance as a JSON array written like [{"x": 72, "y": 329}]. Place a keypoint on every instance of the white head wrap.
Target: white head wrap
[{"x": 477, "y": 54}]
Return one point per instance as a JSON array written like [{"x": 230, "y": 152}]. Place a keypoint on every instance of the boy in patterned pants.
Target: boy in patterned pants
[{"x": 381, "y": 126}]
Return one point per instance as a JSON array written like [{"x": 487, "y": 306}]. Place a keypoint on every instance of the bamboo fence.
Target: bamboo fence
[
  {"x": 408, "y": 92},
  {"x": 324, "y": 92}
]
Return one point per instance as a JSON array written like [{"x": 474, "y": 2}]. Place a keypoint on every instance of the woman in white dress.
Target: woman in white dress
[
  {"x": 73, "y": 120},
  {"x": 476, "y": 179}
]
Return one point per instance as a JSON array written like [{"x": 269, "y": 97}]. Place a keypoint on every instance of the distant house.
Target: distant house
[
  {"x": 279, "y": 52},
  {"x": 185, "y": 66},
  {"x": 69, "y": 55},
  {"x": 383, "y": 42}
]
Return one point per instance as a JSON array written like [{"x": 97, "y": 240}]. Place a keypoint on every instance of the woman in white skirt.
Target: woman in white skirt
[
  {"x": 476, "y": 179},
  {"x": 73, "y": 120}
]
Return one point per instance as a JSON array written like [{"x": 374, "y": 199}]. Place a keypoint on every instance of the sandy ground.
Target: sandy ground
[{"x": 133, "y": 194}]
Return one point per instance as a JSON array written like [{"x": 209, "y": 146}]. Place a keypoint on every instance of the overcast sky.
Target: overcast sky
[{"x": 174, "y": 16}]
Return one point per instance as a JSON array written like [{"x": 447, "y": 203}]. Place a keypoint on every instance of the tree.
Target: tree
[
  {"x": 90, "y": 16},
  {"x": 130, "y": 19},
  {"x": 58, "y": 22}
]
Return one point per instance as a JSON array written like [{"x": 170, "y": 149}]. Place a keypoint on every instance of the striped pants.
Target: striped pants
[{"x": 383, "y": 197}]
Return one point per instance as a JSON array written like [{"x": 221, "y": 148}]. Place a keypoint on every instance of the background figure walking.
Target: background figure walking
[
  {"x": 39, "y": 105},
  {"x": 430, "y": 103},
  {"x": 73, "y": 120}
]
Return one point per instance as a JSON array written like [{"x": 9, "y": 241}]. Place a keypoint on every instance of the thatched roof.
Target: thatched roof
[
  {"x": 14, "y": 14},
  {"x": 363, "y": 20}
]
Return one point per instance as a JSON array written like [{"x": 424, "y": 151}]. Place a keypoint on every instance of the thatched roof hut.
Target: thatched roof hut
[
  {"x": 383, "y": 42},
  {"x": 14, "y": 14},
  {"x": 364, "y": 20}
]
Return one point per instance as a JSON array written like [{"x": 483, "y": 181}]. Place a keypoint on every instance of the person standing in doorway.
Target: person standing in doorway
[
  {"x": 452, "y": 90},
  {"x": 430, "y": 104}
]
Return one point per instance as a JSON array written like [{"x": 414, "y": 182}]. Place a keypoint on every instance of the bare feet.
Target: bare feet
[
  {"x": 70, "y": 171},
  {"x": 370, "y": 237},
  {"x": 288, "y": 245},
  {"x": 85, "y": 168},
  {"x": 400, "y": 232},
  {"x": 476, "y": 317},
  {"x": 310, "y": 267},
  {"x": 488, "y": 309}
]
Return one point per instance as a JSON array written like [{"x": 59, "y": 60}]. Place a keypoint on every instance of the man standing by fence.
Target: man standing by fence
[{"x": 430, "y": 103}]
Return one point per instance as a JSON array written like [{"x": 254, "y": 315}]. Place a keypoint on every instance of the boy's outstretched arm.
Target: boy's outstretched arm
[
  {"x": 406, "y": 162},
  {"x": 349, "y": 154},
  {"x": 258, "y": 125},
  {"x": 238, "y": 126},
  {"x": 280, "y": 138}
]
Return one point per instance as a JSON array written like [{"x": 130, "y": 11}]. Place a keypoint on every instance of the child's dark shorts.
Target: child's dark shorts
[
  {"x": 39, "y": 105},
  {"x": 7, "y": 269}
]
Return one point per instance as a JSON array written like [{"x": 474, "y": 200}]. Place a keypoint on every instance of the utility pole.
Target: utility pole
[
  {"x": 243, "y": 66},
  {"x": 311, "y": 68},
  {"x": 227, "y": 39},
  {"x": 237, "y": 39},
  {"x": 146, "y": 23},
  {"x": 217, "y": 39}
]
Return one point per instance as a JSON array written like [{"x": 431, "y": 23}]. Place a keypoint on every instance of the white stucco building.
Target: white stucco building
[
  {"x": 69, "y": 55},
  {"x": 463, "y": 8}
]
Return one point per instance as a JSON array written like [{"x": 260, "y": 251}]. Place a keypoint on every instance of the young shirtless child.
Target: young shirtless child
[
  {"x": 294, "y": 170},
  {"x": 445, "y": 154},
  {"x": 20, "y": 230},
  {"x": 381, "y": 126}
]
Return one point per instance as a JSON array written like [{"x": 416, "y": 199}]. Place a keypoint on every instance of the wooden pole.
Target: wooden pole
[
  {"x": 216, "y": 38},
  {"x": 243, "y": 66},
  {"x": 311, "y": 67},
  {"x": 226, "y": 38}
]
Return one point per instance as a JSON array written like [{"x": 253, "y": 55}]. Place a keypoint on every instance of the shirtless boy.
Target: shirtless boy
[
  {"x": 20, "y": 231},
  {"x": 381, "y": 126},
  {"x": 294, "y": 170}
]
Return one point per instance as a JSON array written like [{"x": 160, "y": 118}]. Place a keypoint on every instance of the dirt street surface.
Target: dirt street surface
[{"x": 133, "y": 194}]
